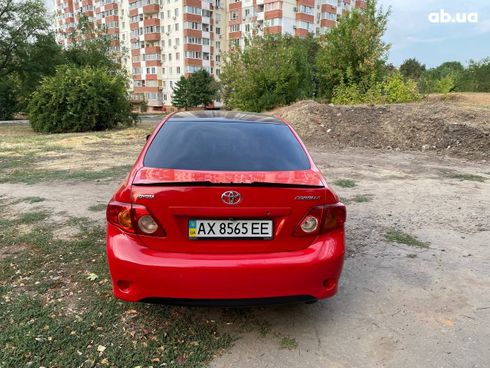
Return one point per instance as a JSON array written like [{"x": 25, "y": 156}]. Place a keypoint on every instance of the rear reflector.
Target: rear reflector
[
  {"x": 133, "y": 219},
  {"x": 321, "y": 219}
]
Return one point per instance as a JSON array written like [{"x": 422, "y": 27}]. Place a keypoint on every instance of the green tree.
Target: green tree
[
  {"x": 20, "y": 22},
  {"x": 92, "y": 47},
  {"x": 477, "y": 76},
  {"x": 434, "y": 78},
  {"x": 269, "y": 71},
  {"x": 8, "y": 98},
  {"x": 412, "y": 69},
  {"x": 39, "y": 59},
  {"x": 78, "y": 99},
  {"x": 182, "y": 96},
  {"x": 203, "y": 88},
  {"x": 354, "y": 51}
]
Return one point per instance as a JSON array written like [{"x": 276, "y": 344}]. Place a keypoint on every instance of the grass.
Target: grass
[
  {"x": 34, "y": 176},
  {"x": 396, "y": 236},
  {"x": 468, "y": 177},
  {"x": 98, "y": 207},
  {"x": 58, "y": 314},
  {"x": 28, "y": 157},
  {"x": 345, "y": 183},
  {"x": 361, "y": 198},
  {"x": 288, "y": 342},
  {"x": 33, "y": 217},
  {"x": 345, "y": 200},
  {"x": 30, "y": 200},
  {"x": 358, "y": 198}
]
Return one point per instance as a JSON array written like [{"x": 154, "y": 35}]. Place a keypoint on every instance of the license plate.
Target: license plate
[{"x": 233, "y": 229}]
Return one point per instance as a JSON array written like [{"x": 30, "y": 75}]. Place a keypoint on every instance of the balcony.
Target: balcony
[
  {"x": 152, "y": 8},
  {"x": 152, "y": 37}
]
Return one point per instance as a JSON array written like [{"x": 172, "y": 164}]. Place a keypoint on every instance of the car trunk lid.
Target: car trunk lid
[{"x": 174, "y": 197}]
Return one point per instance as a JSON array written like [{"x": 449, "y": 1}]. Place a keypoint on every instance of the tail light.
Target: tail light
[
  {"x": 321, "y": 219},
  {"x": 133, "y": 219}
]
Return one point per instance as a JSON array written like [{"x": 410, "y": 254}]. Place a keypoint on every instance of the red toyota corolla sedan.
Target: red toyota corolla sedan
[{"x": 225, "y": 207}]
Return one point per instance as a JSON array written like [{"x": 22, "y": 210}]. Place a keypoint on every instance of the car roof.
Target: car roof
[{"x": 224, "y": 116}]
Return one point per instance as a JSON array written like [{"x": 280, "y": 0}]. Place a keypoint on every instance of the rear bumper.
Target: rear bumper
[{"x": 140, "y": 273}]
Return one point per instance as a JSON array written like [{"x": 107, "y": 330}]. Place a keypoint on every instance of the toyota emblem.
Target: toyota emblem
[{"x": 230, "y": 197}]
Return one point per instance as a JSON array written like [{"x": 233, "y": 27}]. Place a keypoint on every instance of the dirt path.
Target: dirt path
[{"x": 398, "y": 305}]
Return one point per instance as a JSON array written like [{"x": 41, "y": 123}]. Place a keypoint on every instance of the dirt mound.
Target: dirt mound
[{"x": 437, "y": 126}]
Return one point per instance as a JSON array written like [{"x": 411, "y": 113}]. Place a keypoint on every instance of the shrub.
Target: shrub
[
  {"x": 80, "y": 99},
  {"x": 347, "y": 94},
  {"x": 445, "y": 84},
  {"x": 397, "y": 90},
  {"x": 394, "y": 89}
]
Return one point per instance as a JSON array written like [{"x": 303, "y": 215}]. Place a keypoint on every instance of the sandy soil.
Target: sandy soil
[{"x": 398, "y": 305}]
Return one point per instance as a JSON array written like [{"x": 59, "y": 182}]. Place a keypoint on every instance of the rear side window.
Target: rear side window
[{"x": 226, "y": 146}]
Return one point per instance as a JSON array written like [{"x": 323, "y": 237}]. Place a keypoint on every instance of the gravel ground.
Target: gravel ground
[{"x": 398, "y": 305}]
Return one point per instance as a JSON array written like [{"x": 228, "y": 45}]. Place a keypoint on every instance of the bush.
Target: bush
[
  {"x": 397, "y": 90},
  {"x": 394, "y": 89},
  {"x": 80, "y": 99},
  {"x": 445, "y": 84}
]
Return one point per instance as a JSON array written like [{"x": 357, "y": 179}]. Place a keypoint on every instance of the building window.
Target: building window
[
  {"x": 272, "y": 22},
  {"x": 192, "y": 10},
  {"x": 305, "y": 9},
  {"x": 273, "y": 6},
  {"x": 329, "y": 16}
]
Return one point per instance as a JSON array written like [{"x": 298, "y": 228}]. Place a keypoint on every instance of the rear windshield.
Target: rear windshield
[{"x": 226, "y": 146}]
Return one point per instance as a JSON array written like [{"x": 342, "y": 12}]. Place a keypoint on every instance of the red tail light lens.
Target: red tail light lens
[
  {"x": 321, "y": 219},
  {"x": 334, "y": 216},
  {"x": 133, "y": 219},
  {"x": 119, "y": 214}
]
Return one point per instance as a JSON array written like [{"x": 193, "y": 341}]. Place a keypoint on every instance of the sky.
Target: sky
[{"x": 412, "y": 34}]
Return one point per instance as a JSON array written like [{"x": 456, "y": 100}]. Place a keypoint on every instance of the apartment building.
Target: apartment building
[{"x": 161, "y": 40}]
